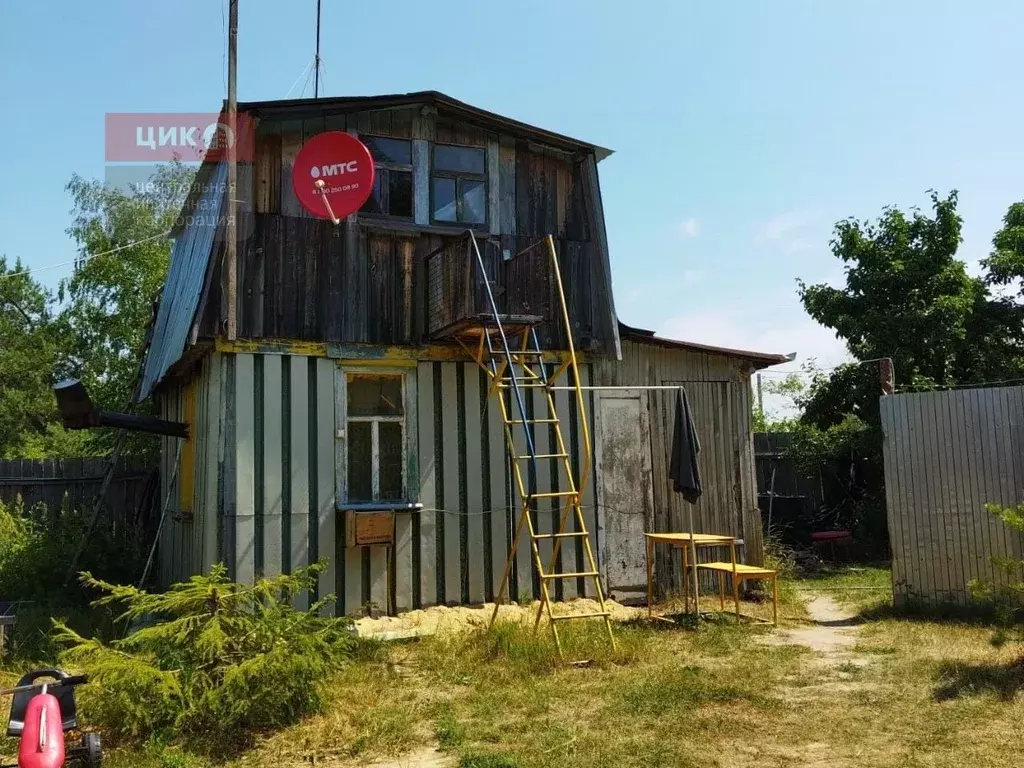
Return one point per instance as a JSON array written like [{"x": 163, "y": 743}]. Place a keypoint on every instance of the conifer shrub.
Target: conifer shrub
[
  {"x": 1004, "y": 601},
  {"x": 209, "y": 659}
]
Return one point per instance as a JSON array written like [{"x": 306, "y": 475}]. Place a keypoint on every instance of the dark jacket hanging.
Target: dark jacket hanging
[{"x": 683, "y": 468}]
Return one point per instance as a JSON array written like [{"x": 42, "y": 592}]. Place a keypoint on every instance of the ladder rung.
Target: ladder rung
[
  {"x": 559, "y": 535},
  {"x": 500, "y": 353},
  {"x": 567, "y": 617},
  {"x": 532, "y": 421},
  {"x": 550, "y": 494},
  {"x": 568, "y": 575},
  {"x": 543, "y": 456}
]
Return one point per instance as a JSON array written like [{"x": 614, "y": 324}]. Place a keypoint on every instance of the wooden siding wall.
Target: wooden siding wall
[
  {"x": 279, "y": 468},
  {"x": 947, "y": 455},
  {"x": 301, "y": 277},
  {"x": 718, "y": 388}
]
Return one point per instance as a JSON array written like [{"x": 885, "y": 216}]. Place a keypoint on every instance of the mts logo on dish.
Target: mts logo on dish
[{"x": 334, "y": 170}]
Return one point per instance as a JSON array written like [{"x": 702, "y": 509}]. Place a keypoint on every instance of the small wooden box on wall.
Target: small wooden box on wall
[{"x": 363, "y": 529}]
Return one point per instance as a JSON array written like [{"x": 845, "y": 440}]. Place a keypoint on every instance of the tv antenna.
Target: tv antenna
[{"x": 316, "y": 57}]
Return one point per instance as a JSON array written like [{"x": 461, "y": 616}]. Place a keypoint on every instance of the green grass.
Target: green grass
[
  {"x": 914, "y": 692},
  {"x": 860, "y": 587}
]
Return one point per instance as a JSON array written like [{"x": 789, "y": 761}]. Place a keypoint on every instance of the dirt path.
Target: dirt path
[
  {"x": 427, "y": 757},
  {"x": 833, "y": 633}
]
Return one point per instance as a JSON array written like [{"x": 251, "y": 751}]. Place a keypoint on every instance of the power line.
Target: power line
[
  {"x": 86, "y": 257},
  {"x": 939, "y": 387}
]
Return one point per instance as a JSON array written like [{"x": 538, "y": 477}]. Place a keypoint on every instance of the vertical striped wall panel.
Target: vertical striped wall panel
[
  {"x": 947, "y": 455},
  {"x": 280, "y": 484},
  {"x": 269, "y": 466},
  {"x": 460, "y": 543}
]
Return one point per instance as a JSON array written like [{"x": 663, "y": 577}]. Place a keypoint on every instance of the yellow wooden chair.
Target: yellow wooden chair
[{"x": 741, "y": 573}]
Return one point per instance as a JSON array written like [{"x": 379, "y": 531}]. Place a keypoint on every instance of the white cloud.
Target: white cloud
[
  {"x": 771, "y": 331},
  {"x": 691, "y": 276},
  {"x": 774, "y": 329},
  {"x": 689, "y": 227},
  {"x": 799, "y": 245},
  {"x": 783, "y": 224}
]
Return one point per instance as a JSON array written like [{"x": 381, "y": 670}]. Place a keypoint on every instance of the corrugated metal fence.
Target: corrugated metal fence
[
  {"x": 947, "y": 455},
  {"x": 73, "y": 484}
]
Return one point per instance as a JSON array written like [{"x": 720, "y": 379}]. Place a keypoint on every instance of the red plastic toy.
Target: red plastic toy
[{"x": 43, "y": 709}]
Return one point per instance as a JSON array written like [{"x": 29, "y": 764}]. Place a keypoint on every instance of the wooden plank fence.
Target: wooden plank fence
[
  {"x": 72, "y": 484},
  {"x": 947, "y": 455}
]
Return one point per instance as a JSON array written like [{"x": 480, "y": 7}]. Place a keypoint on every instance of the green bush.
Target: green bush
[
  {"x": 210, "y": 659},
  {"x": 35, "y": 549}
]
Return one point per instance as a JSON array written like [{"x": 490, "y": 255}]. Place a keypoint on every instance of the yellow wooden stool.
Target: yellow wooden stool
[{"x": 741, "y": 573}]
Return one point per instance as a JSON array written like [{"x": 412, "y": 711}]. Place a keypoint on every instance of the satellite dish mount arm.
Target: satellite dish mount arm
[{"x": 327, "y": 203}]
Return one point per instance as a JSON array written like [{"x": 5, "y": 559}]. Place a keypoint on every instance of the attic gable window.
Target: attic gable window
[
  {"x": 392, "y": 184},
  {"x": 458, "y": 185}
]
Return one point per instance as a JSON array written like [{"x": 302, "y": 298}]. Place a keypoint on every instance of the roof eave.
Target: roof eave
[
  {"x": 758, "y": 360},
  {"x": 353, "y": 103}
]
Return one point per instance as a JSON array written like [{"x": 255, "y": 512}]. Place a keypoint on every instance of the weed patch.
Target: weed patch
[{"x": 680, "y": 691}]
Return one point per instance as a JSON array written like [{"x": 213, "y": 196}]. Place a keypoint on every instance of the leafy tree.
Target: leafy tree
[
  {"x": 95, "y": 327},
  {"x": 111, "y": 293},
  {"x": 1006, "y": 263},
  {"x": 29, "y": 345},
  {"x": 791, "y": 387},
  {"x": 906, "y": 297}
]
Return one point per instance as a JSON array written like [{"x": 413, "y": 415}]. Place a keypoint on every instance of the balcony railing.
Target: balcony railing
[{"x": 457, "y": 287}]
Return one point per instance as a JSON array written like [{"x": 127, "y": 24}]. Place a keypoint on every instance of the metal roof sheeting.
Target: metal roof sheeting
[
  {"x": 184, "y": 284},
  {"x": 319, "y": 106},
  {"x": 758, "y": 359}
]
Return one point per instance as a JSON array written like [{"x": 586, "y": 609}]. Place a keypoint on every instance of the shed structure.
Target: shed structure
[{"x": 344, "y": 392}]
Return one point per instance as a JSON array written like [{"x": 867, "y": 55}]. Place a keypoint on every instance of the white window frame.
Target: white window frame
[{"x": 407, "y": 417}]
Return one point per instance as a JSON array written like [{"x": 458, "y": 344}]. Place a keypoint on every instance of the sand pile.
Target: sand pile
[{"x": 442, "y": 618}]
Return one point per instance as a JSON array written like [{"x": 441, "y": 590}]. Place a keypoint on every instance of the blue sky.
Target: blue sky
[{"x": 742, "y": 130}]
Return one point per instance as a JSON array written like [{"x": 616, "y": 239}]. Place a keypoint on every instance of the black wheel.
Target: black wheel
[{"x": 92, "y": 749}]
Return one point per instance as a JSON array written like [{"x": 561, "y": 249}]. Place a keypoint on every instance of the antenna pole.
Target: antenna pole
[
  {"x": 316, "y": 61},
  {"x": 231, "y": 246}
]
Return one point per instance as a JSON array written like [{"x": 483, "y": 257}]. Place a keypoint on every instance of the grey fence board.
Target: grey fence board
[
  {"x": 72, "y": 484},
  {"x": 947, "y": 455}
]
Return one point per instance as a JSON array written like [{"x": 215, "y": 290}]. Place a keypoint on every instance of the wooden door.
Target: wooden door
[{"x": 624, "y": 492}]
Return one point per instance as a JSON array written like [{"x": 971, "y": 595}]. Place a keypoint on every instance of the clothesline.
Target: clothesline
[{"x": 627, "y": 386}]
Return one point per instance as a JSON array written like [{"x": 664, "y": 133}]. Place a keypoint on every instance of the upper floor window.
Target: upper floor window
[
  {"x": 458, "y": 184},
  {"x": 392, "y": 184}
]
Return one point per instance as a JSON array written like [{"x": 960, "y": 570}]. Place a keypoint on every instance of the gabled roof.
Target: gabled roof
[
  {"x": 757, "y": 359},
  {"x": 296, "y": 108}
]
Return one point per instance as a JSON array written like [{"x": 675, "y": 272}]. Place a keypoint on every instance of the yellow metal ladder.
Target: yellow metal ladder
[{"x": 514, "y": 368}]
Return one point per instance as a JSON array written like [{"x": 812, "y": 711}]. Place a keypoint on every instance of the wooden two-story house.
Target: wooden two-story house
[{"x": 344, "y": 389}]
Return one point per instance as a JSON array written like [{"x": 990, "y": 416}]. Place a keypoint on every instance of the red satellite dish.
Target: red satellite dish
[{"x": 333, "y": 175}]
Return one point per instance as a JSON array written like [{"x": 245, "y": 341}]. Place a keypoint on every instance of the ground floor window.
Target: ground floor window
[{"x": 376, "y": 437}]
